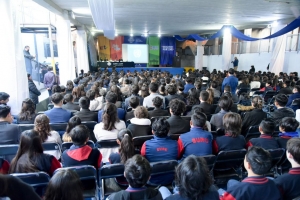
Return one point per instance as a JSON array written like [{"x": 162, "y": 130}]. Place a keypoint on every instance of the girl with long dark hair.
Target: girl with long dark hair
[
  {"x": 30, "y": 156},
  {"x": 27, "y": 114}
]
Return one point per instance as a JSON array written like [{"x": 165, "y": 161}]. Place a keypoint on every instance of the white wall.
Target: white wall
[{"x": 260, "y": 61}]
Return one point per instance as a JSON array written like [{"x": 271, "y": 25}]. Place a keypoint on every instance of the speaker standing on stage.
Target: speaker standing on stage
[
  {"x": 28, "y": 59},
  {"x": 235, "y": 63}
]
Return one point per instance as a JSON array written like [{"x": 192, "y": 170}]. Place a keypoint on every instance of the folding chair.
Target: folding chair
[
  {"x": 210, "y": 161},
  {"x": 109, "y": 171},
  {"x": 139, "y": 130},
  {"x": 25, "y": 127},
  {"x": 38, "y": 180},
  {"x": 8, "y": 152},
  {"x": 88, "y": 178},
  {"x": 228, "y": 164},
  {"x": 253, "y": 132},
  {"x": 243, "y": 90},
  {"x": 256, "y": 93},
  {"x": 52, "y": 146},
  {"x": 67, "y": 145},
  {"x": 91, "y": 125},
  {"x": 269, "y": 95},
  {"x": 59, "y": 127},
  {"x": 107, "y": 143},
  {"x": 276, "y": 155},
  {"x": 139, "y": 141},
  {"x": 163, "y": 168}
]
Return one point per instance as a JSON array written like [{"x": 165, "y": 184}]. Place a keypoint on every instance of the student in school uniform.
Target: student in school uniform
[
  {"x": 289, "y": 183},
  {"x": 266, "y": 141}
]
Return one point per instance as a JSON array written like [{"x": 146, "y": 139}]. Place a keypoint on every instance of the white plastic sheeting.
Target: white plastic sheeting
[
  {"x": 226, "y": 51},
  {"x": 65, "y": 49},
  {"x": 12, "y": 69},
  {"x": 82, "y": 55},
  {"x": 103, "y": 16}
]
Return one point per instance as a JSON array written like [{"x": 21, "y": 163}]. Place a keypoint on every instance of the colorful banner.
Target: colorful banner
[
  {"x": 167, "y": 50},
  {"x": 116, "y": 48},
  {"x": 135, "y": 40},
  {"x": 104, "y": 48},
  {"x": 153, "y": 43}
]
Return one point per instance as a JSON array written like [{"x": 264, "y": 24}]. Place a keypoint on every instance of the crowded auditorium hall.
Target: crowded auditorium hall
[{"x": 136, "y": 100}]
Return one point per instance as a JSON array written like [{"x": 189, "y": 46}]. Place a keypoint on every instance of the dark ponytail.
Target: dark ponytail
[{"x": 126, "y": 149}]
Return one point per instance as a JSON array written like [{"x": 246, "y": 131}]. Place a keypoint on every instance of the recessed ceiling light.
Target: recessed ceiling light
[{"x": 131, "y": 34}]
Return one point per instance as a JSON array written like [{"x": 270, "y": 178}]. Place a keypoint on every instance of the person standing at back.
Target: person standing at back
[
  {"x": 50, "y": 79},
  {"x": 235, "y": 63},
  {"x": 230, "y": 80},
  {"x": 34, "y": 93}
]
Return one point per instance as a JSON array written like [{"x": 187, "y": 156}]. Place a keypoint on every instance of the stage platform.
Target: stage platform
[{"x": 172, "y": 70}]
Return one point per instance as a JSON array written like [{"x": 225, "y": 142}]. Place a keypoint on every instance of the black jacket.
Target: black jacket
[
  {"x": 148, "y": 193},
  {"x": 158, "y": 112},
  {"x": 9, "y": 133},
  {"x": 34, "y": 93},
  {"x": 71, "y": 106},
  {"x": 278, "y": 114},
  {"x": 87, "y": 115},
  {"x": 207, "y": 108},
  {"x": 178, "y": 125},
  {"x": 252, "y": 118}
]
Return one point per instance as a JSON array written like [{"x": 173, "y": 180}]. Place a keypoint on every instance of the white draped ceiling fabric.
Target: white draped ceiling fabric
[
  {"x": 278, "y": 54},
  {"x": 92, "y": 50},
  {"x": 13, "y": 72},
  {"x": 199, "y": 56},
  {"x": 226, "y": 50},
  {"x": 65, "y": 49},
  {"x": 82, "y": 54},
  {"x": 103, "y": 16}
]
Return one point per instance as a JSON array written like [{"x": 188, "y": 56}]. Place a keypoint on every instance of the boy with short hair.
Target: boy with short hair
[
  {"x": 137, "y": 173},
  {"x": 287, "y": 127},
  {"x": 4, "y": 98},
  {"x": 257, "y": 162},
  {"x": 266, "y": 141},
  {"x": 289, "y": 183},
  {"x": 160, "y": 148},
  {"x": 80, "y": 153}
]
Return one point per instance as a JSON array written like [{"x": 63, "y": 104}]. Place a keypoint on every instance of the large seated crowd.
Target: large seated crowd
[{"x": 184, "y": 117}]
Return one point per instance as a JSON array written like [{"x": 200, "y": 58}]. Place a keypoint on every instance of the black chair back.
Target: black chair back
[
  {"x": 25, "y": 127},
  {"x": 107, "y": 143},
  {"x": 38, "y": 180},
  {"x": 163, "y": 167},
  {"x": 139, "y": 141},
  {"x": 88, "y": 177},
  {"x": 109, "y": 171},
  {"x": 8, "y": 152},
  {"x": 51, "y": 146},
  {"x": 253, "y": 132},
  {"x": 243, "y": 90},
  {"x": 210, "y": 161},
  {"x": 59, "y": 127},
  {"x": 91, "y": 125},
  {"x": 258, "y": 93},
  {"x": 269, "y": 95},
  {"x": 277, "y": 155},
  {"x": 230, "y": 159},
  {"x": 140, "y": 130}
]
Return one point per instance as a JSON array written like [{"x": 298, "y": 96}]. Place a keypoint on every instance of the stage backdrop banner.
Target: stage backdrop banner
[
  {"x": 135, "y": 40},
  {"x": 153, "y": 43},
  {"x": 104, "y": 48},
  {"x": 116, "y": 48},
  {"x": 167, "y": 50}
]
